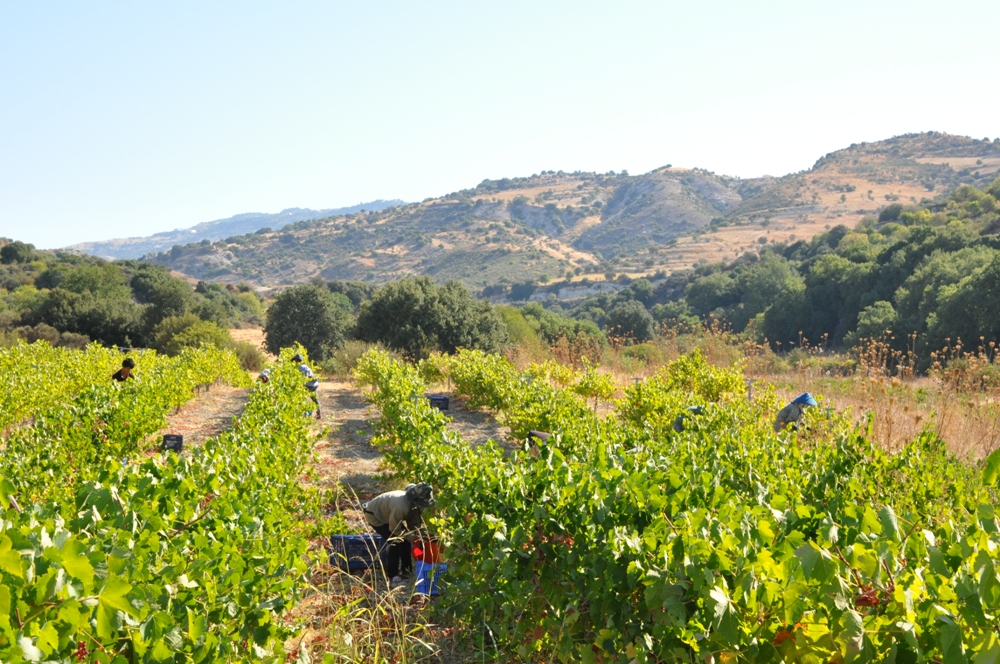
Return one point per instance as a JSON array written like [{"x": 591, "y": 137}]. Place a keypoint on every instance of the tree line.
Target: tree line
[
  {"x": 922, "y": 276},
  {"x": 70, "y": 300}
]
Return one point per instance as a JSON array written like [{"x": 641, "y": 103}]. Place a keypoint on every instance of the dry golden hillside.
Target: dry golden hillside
[{"x": 555, "y": 225}]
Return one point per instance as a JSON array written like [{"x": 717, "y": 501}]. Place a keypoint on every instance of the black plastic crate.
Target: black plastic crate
[
  {"x": 173, "y": 442},
  {"x": 355, "y": 552},
  {"x": 439, "y": 401}
]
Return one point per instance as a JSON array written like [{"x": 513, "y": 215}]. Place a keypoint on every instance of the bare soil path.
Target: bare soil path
[
  {"x": 345, "y": 457},
  {"x": 208, "y": 414},
  {"x": 476, "y": 426},
  {"x": 348, "y": 463}
]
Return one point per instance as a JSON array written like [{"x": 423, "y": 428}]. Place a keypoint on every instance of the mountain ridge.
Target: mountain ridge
[
  {"x": 558, "y": 226},
  {"x": 218, "y": 229}
]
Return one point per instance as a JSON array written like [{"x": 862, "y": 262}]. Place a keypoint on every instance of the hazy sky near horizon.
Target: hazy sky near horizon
[{"x": 122, "y": 119}]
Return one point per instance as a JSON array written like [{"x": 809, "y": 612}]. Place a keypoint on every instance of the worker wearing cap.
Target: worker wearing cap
[
  {"x": 312, "y": 384},
  {"x": 793, "y": 412},
  {"x": 396, "y": 516},
  {"x": 125, "y": 372}
]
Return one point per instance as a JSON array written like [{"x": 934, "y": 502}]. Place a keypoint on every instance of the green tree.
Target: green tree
[
  {"x": 552, "y": 327},
  {"x": 968, "y": 310},
  {"x": 674, "y": 313},
  {"x": 17, "y": 252},
  {"x": 715, "y": 291},
  {"x": 873, "y": 322},
  {"x": 355, "y": 291},
  {"x": 920, "y": 295},
  {"x": 414, "y": 316},
  {"x": 309, "y": 315},
  {"x": 521, "y": 333},
  {"x": 890, "y": 212},
  {"x": 642, "y": 290},
  {"x": 104, "y": 281},
  {"x": 760, "y": 285},
  {"x": 175, "y": 333},
  {"x": 994, "y": 189},
  {"x": 631, "y": 321},
  {"x": 111, "y": 321},
  {"x": 165, "y": 295}
]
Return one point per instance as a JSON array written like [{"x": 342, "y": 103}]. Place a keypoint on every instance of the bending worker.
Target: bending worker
[
  {"x": 397, "y": 517},
  {"x": 312, "y": 384},
  {"x": 535, "y": 441},
  {"x": 793, "y": 412},
  {"x": 689, "y": 411}
]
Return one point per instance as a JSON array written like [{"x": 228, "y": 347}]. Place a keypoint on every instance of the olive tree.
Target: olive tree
[
  {"x": 309, "y": 315},
  {"x": 415, "y": 317},
  {"x": 630, "y": 320}
]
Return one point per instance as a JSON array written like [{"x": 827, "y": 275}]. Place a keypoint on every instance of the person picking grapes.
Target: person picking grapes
[
  {"x": 793, "y": 412},
  {"x": 688, "y": 412},
  {"x": 397, "y": 517},
  {"x": 312, "y": 384},
  {"x": 125, "y": 372}
]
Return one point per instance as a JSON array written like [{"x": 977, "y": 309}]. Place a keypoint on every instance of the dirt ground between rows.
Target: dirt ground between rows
[
  {"x": 347, "y": 459},
  {"x": 211, "y": 411}
]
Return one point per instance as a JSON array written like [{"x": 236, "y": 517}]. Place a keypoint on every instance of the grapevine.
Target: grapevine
[
  {"x": 624, "y": 540},
  {"x": 137, "y": 558}
]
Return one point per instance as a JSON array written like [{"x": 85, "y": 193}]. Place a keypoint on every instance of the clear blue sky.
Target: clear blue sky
[{"x": 120, "y": 119}]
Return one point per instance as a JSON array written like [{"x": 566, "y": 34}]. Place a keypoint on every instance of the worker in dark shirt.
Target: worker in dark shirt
[{"x": 125, "y": 372}]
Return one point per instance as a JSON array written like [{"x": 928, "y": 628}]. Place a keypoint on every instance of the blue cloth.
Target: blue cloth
[{"x": 805, "y": 399}]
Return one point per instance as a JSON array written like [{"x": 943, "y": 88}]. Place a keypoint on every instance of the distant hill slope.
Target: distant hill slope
[
  {"x": 585, "y": 224},
  {"x": 136, "y": 247}
]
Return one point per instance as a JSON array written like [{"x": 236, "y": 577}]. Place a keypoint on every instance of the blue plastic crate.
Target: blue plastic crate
[
  {"x": 355, "y": 553},
  {"x": 173, "y": 442},
  {"x": 438, "y": 401},
  {"x": 428, "y": 576}
]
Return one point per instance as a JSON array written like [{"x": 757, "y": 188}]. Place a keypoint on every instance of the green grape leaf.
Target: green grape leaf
[
  {"x": 988, "y": 650},
  {"x": 48, "y": 638},
  {"x": 75, "y": 562},
  {"x": 854, "y": 631},
  {"x": 991, "y": 469},
  {"x": 111, "y": 600},
  {"x": 817, "y": 563},
  {"x": 890, "y": 524},
  {"x": 10, "y": 560},
  {"x": 952, "y": 648},
  {"x": 870, "y": 521},
  {"x": 724, "y": 618},
  {"x": 4, "y": 607},
  {"x": 6, "y": 491}
]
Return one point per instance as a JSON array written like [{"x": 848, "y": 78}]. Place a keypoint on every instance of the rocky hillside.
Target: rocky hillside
[
  {"x": 136, "y": 247},
  {"x": 564, "y": 226}
]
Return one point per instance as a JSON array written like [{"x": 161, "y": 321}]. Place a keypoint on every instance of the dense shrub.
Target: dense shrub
[
  {"x": 307, "y": 315},
  {"x": 415, "y": 317},
  {"x": 630, "y": 321}
]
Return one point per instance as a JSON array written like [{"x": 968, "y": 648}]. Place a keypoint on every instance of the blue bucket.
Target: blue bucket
[{"x": 427, "y": 577}]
